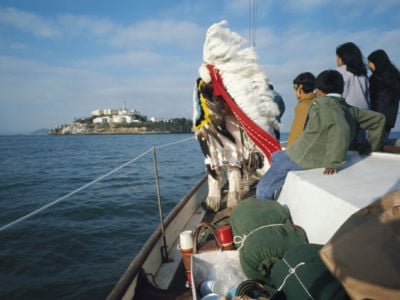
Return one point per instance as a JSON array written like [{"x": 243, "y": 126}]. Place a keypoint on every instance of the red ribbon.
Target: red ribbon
[{"x": 266, "y": 142}]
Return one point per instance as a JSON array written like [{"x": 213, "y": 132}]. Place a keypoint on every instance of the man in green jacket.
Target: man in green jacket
[{"x": 330, "y": 127}]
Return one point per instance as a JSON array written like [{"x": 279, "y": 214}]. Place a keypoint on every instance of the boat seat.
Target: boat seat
[{"x": 321, "y": 203}]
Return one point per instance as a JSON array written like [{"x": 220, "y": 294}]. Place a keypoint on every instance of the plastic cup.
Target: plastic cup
[
  {"x": 207, "y": 287},
  {"x": 186, "y": 240},
  {"x": 225, "y": 236}
]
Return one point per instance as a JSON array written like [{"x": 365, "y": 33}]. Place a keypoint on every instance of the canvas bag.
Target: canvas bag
[
  {"x": 364, "y": 254},
  {"x": 212, "y": 265}
]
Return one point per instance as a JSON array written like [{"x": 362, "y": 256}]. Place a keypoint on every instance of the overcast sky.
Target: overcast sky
[{"x": 62, "y": 59}]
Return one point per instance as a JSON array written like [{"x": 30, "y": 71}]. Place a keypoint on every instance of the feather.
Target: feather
[
  {"x": 202, "y": 138},
  {"x": 213, "y": 200},
  {"x": 244, "y": 79},
  {"x": 210, "y": 112},
  {"x": 234, "y": 177},
  {"x": 218, "y": 117},
  {"x": 211, "y": 172}
]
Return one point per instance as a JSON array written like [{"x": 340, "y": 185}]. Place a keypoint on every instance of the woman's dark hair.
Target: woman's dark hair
[
  {"x": 330, "y": 81},
  {"x": 352, "y": 58},
  {"x": 382, "y": 62},
  {"x": 306, "y": 79}
]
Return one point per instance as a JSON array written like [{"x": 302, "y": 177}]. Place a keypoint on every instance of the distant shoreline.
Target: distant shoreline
[
  {"x": 122, "y": 133},
  {"x": 174, "y": 126},
  {"x": 112, "y": 131}
]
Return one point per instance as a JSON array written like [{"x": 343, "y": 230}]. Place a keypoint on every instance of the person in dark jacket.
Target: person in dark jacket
[
  {"x": 384, "y": 85},
  {"x": 277, "y": 98}
]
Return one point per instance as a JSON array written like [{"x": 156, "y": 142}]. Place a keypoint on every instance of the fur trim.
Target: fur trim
[
  {"x": 204, "y": 74},
  {"x": 214, "y": 193},
  {"x": 234, "y": 178},
  {"x": 244, "y": 79}
]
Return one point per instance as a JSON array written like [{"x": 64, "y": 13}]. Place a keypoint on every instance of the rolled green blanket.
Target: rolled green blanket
[
  {"x": 301, "y": 274},
  {"x": 263, "y": 232},
  {"x": 252, "y": 213},
  {"x": 265, "y": 246}
]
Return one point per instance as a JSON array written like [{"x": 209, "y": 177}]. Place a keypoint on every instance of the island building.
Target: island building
[{"x": 117, "y": 116}]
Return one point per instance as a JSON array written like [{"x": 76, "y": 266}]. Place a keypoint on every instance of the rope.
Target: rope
[
  {"x": 252, "y": 22},
  {"x": 292, "y": 271},
  {"x": 241, "y": 239},
  {"x": 174, "y": 143},
  {"x": 35, "y": 212}
]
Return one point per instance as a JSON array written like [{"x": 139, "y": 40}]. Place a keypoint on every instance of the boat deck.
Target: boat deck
[
  {"x": 320, "y": 204},
  {"x": 178, "y": 289}
]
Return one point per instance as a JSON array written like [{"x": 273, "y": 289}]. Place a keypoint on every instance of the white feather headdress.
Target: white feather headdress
[{"x": 243, "y": 78}]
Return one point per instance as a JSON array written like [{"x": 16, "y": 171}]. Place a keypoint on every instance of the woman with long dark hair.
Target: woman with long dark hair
[
  {"x": 384, "y": 84},
  {"x": 350, "y": 64}
]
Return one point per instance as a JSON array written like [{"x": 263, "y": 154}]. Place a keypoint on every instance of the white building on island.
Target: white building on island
[{"x": 117, "y": 116}]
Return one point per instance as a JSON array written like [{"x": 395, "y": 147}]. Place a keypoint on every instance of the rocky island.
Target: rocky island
[
  {"x": 170, "y": 126},
  {"x": 122, "y": 121}
]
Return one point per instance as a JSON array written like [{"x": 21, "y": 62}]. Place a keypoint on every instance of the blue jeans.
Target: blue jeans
[{"x": 275, "y": 176}]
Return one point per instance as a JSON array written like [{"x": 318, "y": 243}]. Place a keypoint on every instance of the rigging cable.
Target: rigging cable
[
  {"x": 35, "y": 212},
  {"x": 253, "y": 6}
]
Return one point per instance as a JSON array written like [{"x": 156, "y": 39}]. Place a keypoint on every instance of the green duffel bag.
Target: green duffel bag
[
  {"x": 301, "y": 274},
  {"x": 252, "y": 213},
  {"x": 265, "y": 246}
]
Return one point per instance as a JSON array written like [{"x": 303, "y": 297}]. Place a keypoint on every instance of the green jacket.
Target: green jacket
[
  {"x": 373, "y": 123},
  {"x": 326, "y": 136}
]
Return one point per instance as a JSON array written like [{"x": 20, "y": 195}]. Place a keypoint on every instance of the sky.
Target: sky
[{"x": 62, "y": 59}]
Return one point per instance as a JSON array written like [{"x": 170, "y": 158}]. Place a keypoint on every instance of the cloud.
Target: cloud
[
  {"x": 153, "y": 33},
  {"x": 371, "y": 7},
  {"x": 304, "y": 5},
  {"x": 85, "y": 25},
  {"x": 129, "y": 59},
  {"x": 388, "y": 40},
  {"x": 28, "y": 22}
]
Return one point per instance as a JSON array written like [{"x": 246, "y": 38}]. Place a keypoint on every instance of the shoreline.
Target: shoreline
[{"x": 82, "y": 129}]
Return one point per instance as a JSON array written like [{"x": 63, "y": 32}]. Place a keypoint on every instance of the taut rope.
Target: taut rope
[
  {"x": 252, "y": 22},
  {"x": 35, "y": 212}
]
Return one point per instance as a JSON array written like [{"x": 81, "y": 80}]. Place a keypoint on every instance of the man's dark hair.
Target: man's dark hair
[
  {"x": 330, "y": 81},
  {"x": 307, "y": 80}
]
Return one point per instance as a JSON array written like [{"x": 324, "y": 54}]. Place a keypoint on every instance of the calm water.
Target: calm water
[{"x": 79, "y": 247}]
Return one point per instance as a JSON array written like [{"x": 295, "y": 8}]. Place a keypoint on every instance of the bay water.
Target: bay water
[{"x": 78, "y": 247}]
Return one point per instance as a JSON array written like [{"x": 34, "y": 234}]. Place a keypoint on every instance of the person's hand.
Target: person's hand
[{"x": 330, "y": 171}]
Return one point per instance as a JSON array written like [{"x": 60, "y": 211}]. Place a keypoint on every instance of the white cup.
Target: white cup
[{"x": 186, "y": 240}]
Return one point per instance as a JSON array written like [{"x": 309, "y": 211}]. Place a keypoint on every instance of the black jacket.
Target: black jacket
[{"x": 385, "y": 96}]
